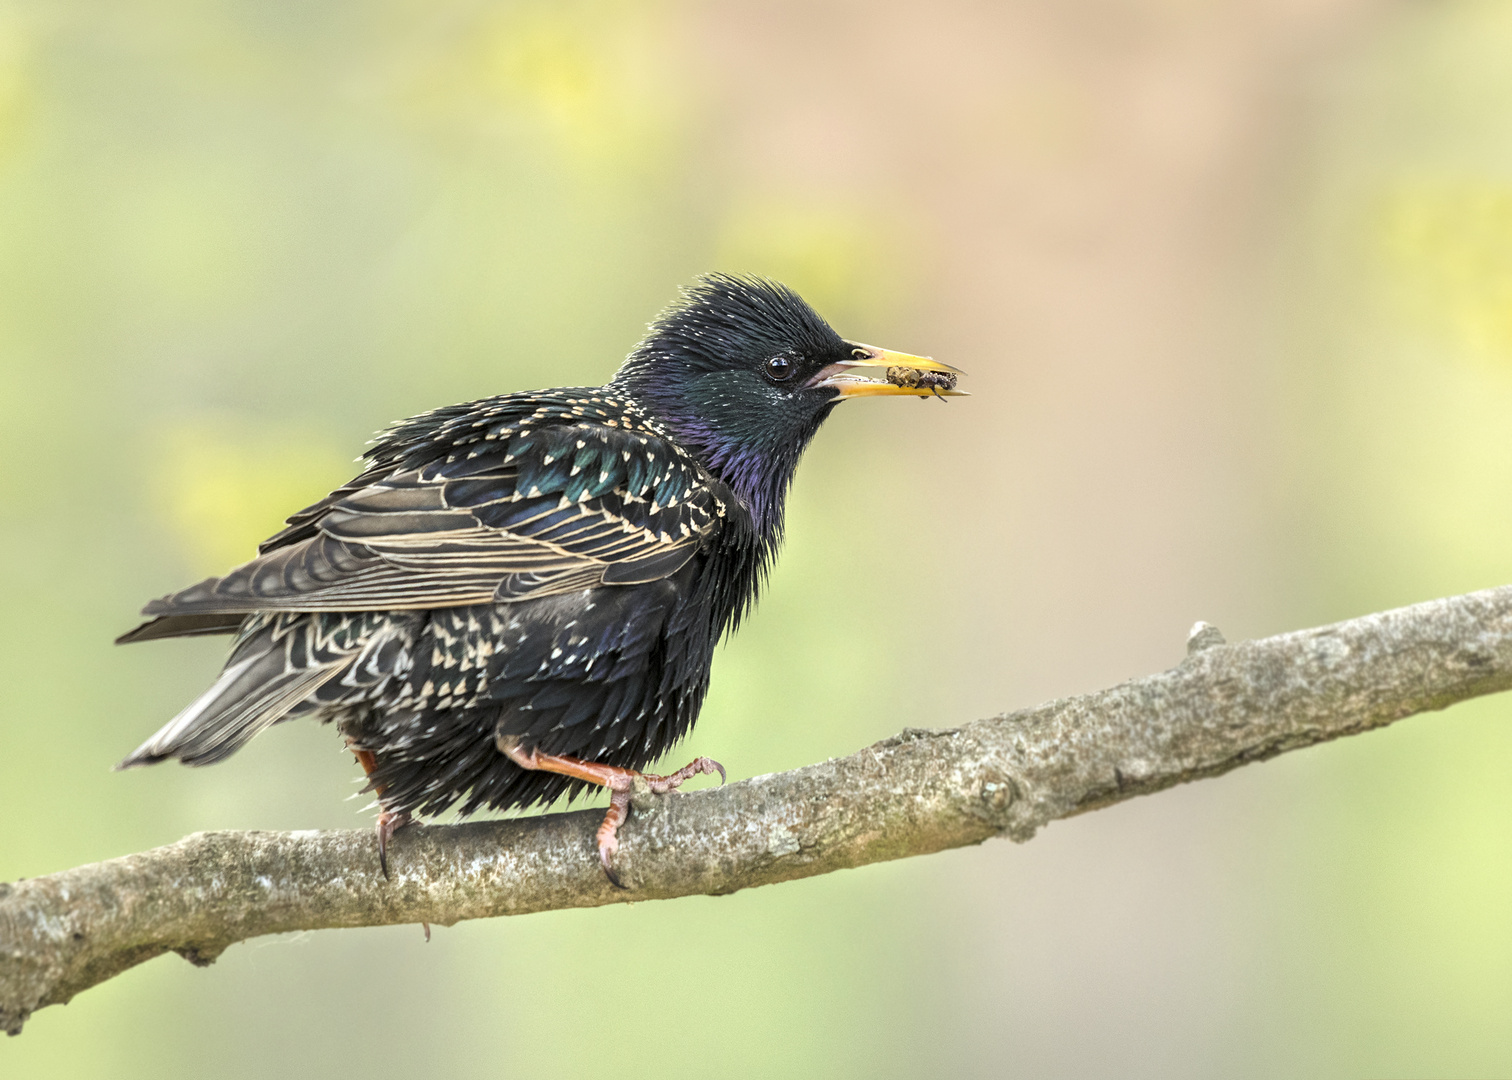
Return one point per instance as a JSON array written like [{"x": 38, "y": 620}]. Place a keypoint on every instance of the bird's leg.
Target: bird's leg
[
  {"x": 620, "y": 782},
  {"x": 389, "y": 821}
]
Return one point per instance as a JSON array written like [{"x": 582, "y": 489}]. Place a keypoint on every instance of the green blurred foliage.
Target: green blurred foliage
[
  {"x": 1401, "y": 384},
  {"x": 846, "y": 257},
  {"x": 218, "y": 488},
  {"x": 1451, "y": 245}
]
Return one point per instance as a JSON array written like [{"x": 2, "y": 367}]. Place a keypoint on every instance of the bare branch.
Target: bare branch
[{"x": 919, "y": 792}]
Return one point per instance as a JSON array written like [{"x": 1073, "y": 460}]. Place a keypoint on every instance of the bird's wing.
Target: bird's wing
[{"x": 529, "y": 511}]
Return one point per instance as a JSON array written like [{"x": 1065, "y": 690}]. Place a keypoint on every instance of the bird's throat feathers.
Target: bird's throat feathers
[
  {"x": 703, "y": 371},
  {"x": 756, "y": 460}
]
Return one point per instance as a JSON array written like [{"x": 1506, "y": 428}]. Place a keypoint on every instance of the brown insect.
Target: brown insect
[{"x": 928, "y": 380}]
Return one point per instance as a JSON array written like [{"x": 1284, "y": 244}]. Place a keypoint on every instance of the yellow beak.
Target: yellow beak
[{"x": 902, "y": 375}]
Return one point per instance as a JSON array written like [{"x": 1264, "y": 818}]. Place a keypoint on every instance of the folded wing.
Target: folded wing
[{"x": 499, "y": 514}]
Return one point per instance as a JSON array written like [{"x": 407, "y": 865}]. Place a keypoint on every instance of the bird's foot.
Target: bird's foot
[
  {"x": 620, "y": 782},
  {"x": 389, "y": 823},
  {"x": 672, "y": 781},
  {"x": 607, "y": 836},
  {"x": 619, "y": 803}
]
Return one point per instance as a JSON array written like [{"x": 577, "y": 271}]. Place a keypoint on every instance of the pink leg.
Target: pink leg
[
  {"x": 620, "y": 782},
  {"x": 389, "y": 822}
]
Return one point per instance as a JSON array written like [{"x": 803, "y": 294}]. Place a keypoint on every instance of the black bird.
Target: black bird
[{"x": 519, "y": 597}]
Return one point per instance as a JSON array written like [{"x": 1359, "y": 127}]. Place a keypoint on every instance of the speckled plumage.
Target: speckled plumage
[{"x": 549, "y": 568}]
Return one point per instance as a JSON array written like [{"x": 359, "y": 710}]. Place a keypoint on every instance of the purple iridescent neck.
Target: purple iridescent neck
[
  {"x": 703, "y": 372},
  {"x": 757, "y": 477}
]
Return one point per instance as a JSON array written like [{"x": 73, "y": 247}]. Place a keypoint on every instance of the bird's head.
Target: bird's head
[{"x": 742, "y": 372}]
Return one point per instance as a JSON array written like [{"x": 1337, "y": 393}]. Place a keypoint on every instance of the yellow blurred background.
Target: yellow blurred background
[{"x": 1233, "y": 283}]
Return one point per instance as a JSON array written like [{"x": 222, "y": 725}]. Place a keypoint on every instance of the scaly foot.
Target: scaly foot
[
  {"x": 620, "y": 782},
  {"x": 389, "y": 821}
]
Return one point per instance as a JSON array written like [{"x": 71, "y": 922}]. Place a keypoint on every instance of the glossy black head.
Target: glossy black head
[{"x": 735, "y": 370}]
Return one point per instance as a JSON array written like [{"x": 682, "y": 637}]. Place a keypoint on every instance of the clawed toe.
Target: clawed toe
[
  {"x": 672, "y": 781},
  {"x": 388, "y": 824},
  {"x": 620, "y": 782},
  {"x": 619, "y": 805},
  {"x": 608, "y": 834},
  {"x": 605, "y": 852}
]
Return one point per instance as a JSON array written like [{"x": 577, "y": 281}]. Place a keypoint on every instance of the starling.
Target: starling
[{"x": 519, "y": 597}]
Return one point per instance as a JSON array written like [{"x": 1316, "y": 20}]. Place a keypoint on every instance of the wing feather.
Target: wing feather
[{"x": 502, "y": 512}]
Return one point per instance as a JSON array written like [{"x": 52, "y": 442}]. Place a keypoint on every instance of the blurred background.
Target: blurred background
[{"x": 1233, "y": 283}]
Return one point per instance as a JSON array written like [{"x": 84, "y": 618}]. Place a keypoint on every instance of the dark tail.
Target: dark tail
[
  {"x": 258, "y": 687},
  {"x": 166, "y": 626}
]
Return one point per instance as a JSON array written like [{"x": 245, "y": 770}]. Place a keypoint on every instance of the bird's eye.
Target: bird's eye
[{"x": 780, "y": 368}]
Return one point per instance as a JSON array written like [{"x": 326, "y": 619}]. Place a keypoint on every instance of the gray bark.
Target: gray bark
[{"x": 918, "y": 792}]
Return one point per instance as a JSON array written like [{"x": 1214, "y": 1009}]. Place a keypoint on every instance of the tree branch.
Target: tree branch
[{"x": 919, "y": 792}]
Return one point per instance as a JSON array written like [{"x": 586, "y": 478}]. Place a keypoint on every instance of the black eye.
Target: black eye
[{"x": 780, "y": 368}]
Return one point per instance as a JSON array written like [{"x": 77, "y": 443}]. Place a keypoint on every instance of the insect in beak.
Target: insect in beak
[{"x": 903, "y": 375}]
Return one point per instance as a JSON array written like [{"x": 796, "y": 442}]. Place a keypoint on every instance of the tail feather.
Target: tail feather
[
  {"x": 166, "y": 626},
  {"x": 255, "y": 691}
]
